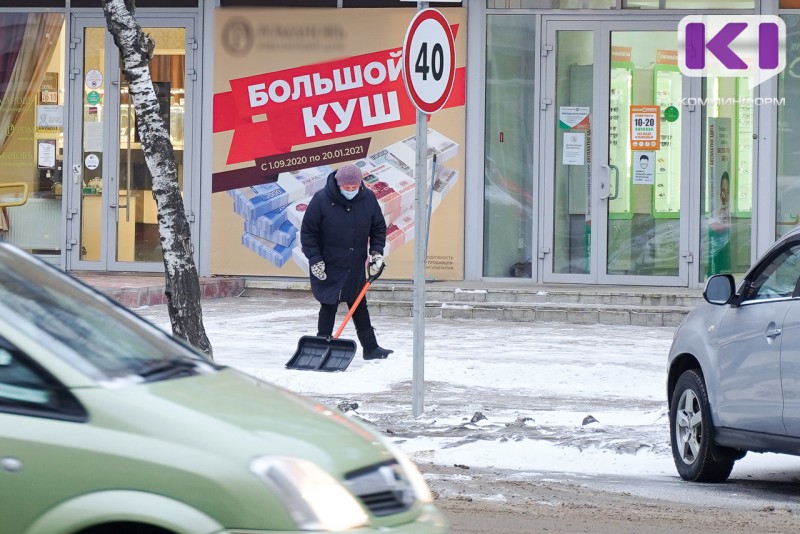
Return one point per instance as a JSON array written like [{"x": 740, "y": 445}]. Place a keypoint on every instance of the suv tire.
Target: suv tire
[{"x": 691, "y": 433}]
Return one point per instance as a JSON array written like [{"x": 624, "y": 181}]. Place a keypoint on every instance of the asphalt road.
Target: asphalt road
[{"x": 496, "y": 501}]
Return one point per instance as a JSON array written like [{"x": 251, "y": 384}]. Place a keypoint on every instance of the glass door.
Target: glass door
[
  {"x": 570, "y": 115},
  {"x": 646, "y": 213},
  {"x": 112, "y": 215},
  {"x": 614, "y": 120}
]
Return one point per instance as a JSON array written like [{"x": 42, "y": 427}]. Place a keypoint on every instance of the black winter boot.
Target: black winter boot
[{"x": 371, "y": 350}]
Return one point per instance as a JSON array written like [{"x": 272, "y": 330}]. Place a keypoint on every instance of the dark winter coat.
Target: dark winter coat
[{"x": 342, "y": 233}]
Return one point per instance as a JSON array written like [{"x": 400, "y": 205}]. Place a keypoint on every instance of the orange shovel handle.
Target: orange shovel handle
[
  {"x": 352, "y": 309},
  {"x": 358, "y": 300}
]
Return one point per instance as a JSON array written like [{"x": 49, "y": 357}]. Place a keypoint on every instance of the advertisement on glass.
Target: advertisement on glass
[
  {"x": 719, "y": 194},
  {"x": 300, "y": 92}
]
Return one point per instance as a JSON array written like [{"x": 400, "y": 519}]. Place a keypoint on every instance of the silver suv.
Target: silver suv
[{"x": 733, "y": 382}]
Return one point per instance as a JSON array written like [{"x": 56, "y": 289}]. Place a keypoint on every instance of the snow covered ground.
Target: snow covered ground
[{"x": 534, "y": 385}]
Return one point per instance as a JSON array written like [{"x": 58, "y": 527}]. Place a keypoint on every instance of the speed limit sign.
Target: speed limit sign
[{"x": 429, "y": 60}]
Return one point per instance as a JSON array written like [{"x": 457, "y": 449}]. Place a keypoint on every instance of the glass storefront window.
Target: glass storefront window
[
  {"x": 137, "y": 225},
  {"x": 645, "y": 197},
  {"x": 128, "y": 189},
  {"x": 572, "y": 222},
  {"x": 727, "y": 184},
  {"x": 688, "y": 4},
  {"x": 629, "y": 4},
  {"x": 551, "y": 4},
  {"x": 787, "y": 208},
  {"x": 509, "y": 166},
  {"x": 94, "y": 114},
  {"x": 32, "y": 130}
]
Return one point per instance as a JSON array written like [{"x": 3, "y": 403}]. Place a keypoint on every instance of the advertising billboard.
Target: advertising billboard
[{"x": 300, "y": 92}]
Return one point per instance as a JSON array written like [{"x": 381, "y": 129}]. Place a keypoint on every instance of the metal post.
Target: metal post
[
  {"x": 421, "y": 179},
  {"x": 430, "y": 206}
]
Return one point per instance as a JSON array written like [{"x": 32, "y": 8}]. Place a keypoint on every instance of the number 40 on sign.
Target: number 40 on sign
[{"x": 429, "y": 64}]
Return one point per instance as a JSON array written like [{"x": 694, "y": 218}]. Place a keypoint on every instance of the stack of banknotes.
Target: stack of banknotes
[{"x": 273, "y": 213}]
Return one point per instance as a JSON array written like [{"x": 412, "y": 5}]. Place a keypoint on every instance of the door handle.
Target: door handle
[
  {"x": 603, "y": 183},
  {"x": 616, "y": 183},
  {"x": 772, "y": 331}
]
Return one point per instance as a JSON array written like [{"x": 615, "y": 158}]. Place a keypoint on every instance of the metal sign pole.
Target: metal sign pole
[{"x": 421, "y": 175}]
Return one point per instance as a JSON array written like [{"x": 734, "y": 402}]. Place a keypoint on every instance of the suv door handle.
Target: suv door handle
[{"x": 772, "y": 331}]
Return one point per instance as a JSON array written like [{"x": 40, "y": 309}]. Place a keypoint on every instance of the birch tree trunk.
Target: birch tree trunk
[{"x": 182, "y": 281}]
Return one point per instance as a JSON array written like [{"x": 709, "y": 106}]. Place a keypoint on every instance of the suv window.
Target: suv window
[
  {"x": 778, "y": 277},
  {"x": 27, "y": 389}
]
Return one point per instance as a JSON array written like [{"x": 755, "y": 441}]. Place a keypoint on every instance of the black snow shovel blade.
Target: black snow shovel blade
[{"x": 318, "y": 353}]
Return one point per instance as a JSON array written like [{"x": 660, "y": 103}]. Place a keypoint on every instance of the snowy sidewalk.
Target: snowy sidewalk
[{"x": 535, "y": 384}]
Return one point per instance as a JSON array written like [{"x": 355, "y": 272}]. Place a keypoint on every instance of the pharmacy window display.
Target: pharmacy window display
[
  {"x": 645, "y": 126},
  {"x": 727, "y": 186},
  {"x": 787, "y": 201},
  {"x": 572, "y": 180}
]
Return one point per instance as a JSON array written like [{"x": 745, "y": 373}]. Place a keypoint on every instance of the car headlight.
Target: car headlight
[
  {"x": 315, "y": 500},
  {"x": 414, "y": 477}
]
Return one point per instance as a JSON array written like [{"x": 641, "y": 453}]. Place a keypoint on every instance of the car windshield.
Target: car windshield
[{"x": 104, "y": 340}]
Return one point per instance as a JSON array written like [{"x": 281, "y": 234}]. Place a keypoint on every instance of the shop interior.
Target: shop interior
[
  {"x": 32, "y": 131},
  {"x": 644, "y": 204}
]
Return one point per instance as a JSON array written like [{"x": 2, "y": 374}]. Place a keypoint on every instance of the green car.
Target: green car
[{"x": 110, "y": 425}]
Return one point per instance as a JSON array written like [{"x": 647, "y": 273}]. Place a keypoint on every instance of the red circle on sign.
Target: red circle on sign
[{"x": 413, "y": 86}]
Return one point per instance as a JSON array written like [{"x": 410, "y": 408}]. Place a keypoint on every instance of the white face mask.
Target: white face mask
[{"x": 349, "y": 195}]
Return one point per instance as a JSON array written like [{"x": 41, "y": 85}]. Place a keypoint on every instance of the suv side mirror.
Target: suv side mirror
[{"x": 720, "y": 289}]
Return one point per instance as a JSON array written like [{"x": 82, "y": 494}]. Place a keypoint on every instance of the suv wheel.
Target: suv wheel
[{"x": 696, "y": 457}]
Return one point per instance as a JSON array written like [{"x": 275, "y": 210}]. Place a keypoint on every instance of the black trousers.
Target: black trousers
[{"x": 327, "y": 317}]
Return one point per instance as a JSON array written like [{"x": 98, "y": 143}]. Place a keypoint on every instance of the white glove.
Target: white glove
[
  {"x": 375, "y": 264},
  {"x": 318, "y": 270}
]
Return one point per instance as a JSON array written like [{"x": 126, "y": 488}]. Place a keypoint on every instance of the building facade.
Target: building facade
[{"x": 572, "y": 149}]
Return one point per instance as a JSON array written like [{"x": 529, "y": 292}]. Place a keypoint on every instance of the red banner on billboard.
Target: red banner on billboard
[{"x": 273, "y": 112}]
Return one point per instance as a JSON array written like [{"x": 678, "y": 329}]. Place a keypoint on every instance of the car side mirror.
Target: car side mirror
[{"x": 720, "y": 289}]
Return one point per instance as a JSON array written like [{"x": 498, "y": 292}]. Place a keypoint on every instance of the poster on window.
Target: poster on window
[
  {"x": 48, "y": 90},
  {"x": 297, "y": 94},
  {"x": 645, "y": 125},
  {"x": 574, "y": 149},
  {"x": 718, "y": 194}
]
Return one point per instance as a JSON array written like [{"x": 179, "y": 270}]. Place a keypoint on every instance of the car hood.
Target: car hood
[{"x": 237, "y": 416}]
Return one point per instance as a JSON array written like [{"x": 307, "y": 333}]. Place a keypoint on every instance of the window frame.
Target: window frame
[
  {"x": 64, "y": 406},
  {"x": 749, "y": 290}
]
